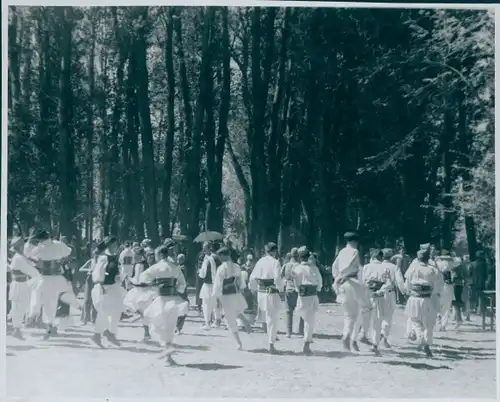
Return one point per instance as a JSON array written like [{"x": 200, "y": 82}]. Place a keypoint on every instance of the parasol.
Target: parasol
[
  {"x": 179, "y": 237},
  {"x": 208, "y": 236}
]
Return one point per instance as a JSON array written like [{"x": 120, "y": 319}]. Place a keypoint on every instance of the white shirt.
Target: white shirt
[
  {"x": 126, "y": 260},
  {"x": 226, "y": 270},
  {"x": 21, "y": 263},
  {"x": 377, "y": 271},
  {"x": 267, "y": 267},
  {"x": 50, "y": 250},
  {"x": 346, "y": 263},
  {"x": 164, "y": 269},
  {"x": 99, "y": 271},
  {"x": 208, "y": 263},
  {"x": 306, "y": 274}
]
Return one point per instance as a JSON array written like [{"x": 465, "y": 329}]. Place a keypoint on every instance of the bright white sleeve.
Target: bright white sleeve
[
  {"x": 100, "y": 269},
  {"x": 181, "y": 282},
  {"x": 278, "y": 280},
  {"x": 149, "y": 275},
  {"x": 20, "y": 263}
]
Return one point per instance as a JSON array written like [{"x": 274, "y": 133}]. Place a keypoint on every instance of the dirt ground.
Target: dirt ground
[{"x": 208, "y": 365}]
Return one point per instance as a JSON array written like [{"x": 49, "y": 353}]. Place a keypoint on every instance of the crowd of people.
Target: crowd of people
[{"x": 150, "y": 283}]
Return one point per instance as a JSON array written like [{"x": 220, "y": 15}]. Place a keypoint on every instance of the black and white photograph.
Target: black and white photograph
[{"x": 250, "y": 201}]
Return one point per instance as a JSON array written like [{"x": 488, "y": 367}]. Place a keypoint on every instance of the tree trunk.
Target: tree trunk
[
  {"x": 169, "y": 140},
  {"x": 66, "y": 151},
  {"x": 146, "y": 130}
]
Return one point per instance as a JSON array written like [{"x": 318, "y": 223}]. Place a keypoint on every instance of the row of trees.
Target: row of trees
[{"x": 274, "y": 123}]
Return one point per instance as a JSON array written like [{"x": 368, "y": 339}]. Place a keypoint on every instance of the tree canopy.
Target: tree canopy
[{"x": 284, "y": 124}]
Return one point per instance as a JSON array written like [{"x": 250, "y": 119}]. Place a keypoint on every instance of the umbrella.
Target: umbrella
[
  {"x": 179, "y": 237},
  {"x": 208, "y": 236}
]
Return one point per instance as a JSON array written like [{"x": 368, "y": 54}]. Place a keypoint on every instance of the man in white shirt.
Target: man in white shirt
[
  {"x": 23, "y": 271},
  {"x": 352, "y": 292},
  {"x": 107, "y": 294},
  {"x": 50, "y": 255},
  {"x": 266, "y": 278},
  {"x": 207, "y": 274},
  {"x": 126, "y": 261}
]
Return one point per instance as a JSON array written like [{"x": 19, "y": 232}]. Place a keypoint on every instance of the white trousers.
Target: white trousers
[
  {"x": 209, "y": 306},
  {"x": 47, "y": 296},
  {"x": 390, "y": 308},
  {"x": 19, "y": 295},
  {"x": 162, "y": 318},
  {"x": 109, "y": 307}
]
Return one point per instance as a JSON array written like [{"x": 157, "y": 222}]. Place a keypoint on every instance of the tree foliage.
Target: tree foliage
[{"x": 272, "y": 123}]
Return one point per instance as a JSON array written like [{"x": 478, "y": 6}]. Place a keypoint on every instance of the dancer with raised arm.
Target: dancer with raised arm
[
  {"x": 107, "y": 294},
  {"x": 50, "y": 255}
]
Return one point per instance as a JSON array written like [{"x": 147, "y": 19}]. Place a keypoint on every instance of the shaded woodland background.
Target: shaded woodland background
[{"x": 270, "y": 123}]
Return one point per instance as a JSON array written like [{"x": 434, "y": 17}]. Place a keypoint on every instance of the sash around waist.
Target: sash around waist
[
  {"x": 267, "y": 286},
  {"x": 420, "y": 290},
  {"x": 308, "y": 290}
]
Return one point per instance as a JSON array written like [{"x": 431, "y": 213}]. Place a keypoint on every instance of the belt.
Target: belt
[
  {"x": 269, "y": 290},
  {"x": 308, "y": 290},
  {"x": 20, "y": 279}
]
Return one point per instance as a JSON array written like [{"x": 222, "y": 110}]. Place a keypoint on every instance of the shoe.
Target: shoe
[
  {"x": 50, "y": 331},
  {"x": 374, "y": 349},
  {"x": 96, "y": 338},
  {"x": 18, "y": 334},
  {"x": 205, "y": 327},
  {"x": 288, "y": 335},
  {"x": 428, "y": 352},
  {"x": 272, "y": 349},
  {"x": 215, "y": 325},
  {"x": 307, "y": 349},
  {"x": 386, "y": 343},
  {"x": 111, "y": 338},
  {"x": 239, "y": 347},
  {"x": 346, "y": 343},
  {"x": 146, "y": 339},
  {"x": 365, "y": 340},
  {"x": 355, "y": 346}
]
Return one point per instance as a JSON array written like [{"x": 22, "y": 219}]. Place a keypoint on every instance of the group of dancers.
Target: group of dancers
[{"x": 151, "y": 283}]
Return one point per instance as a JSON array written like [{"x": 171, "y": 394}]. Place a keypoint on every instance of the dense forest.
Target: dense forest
[{"x": 284, "y": 124}]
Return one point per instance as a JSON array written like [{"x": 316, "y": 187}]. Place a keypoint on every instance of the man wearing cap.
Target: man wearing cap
[
  {"x": 446, "y": 265},
  {"x": 107, "y": 294},
  {"x": 50, "y": 255},
  {"x": 351, "y": 291},
  {"x": 423, "y": 283},
  {"x": 377, "y": 277},
  {"x": 291, "y": 294},
  {"x": 266, "y": 279},
  {"x": 390, "y": 297},
  {"x": 308, "y": 282},
  {"x": 207, "y": 275},
  {"x": 162, "y": 314},
  {"x": 23, "y": 271}
]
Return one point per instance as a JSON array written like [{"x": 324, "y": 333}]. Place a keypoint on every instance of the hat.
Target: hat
[
  {"x": 224, "y": 251},
  {"x": 135, "y": 244},
  {"x": 40, "y": 234},
  {"x": 351, "y": 236},
  {"x": 425, "y": 246},
  {"x": 303, "y": 252},
  {"x": 387, "y": 253},
  {"x": 101, "y": 246},
  {"x": 145, "y": 242},
  {"x": 169, "y": 243},
  {"x": 109, "y": 240},
  {"x": 15, "y": 241},
  {"x": 294, "y": 252},
  {"x": 270, "y": 247},
  {"x": 376, "y": 253}
]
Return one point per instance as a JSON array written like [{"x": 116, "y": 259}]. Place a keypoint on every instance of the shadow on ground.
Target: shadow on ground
[
  {"x": 416, "y": 366},
  {"x": 331, "y": 354}
]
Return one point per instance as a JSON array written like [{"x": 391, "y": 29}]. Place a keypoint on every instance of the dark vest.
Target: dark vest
[
  {"x": 50, "y": 267},
  {"x": 166, "y": 286},
  {"x": 208, "y": 277},
  {"x": 112, "y": 270},
  {"x": 229, "y": 286}
]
